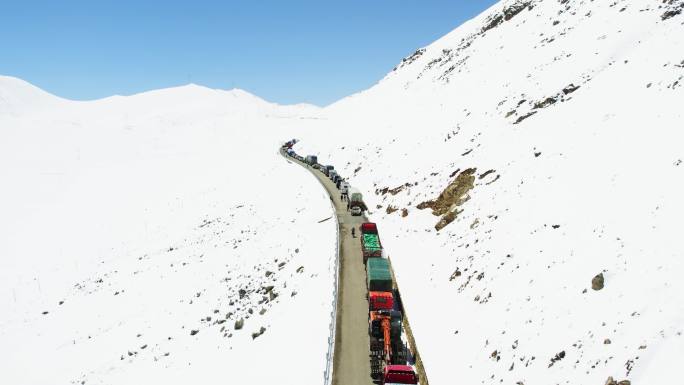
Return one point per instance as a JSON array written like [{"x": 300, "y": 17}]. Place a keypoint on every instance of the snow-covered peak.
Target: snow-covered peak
[{"x": 18, "y": 96}]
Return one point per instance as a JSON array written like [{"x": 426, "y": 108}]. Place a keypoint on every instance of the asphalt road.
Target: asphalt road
[{"x": 351, "y": 365}]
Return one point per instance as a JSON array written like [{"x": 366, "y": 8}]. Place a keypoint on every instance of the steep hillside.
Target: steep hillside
[
  {"x": 510, "y": 163},
  {"x": 145, "y": 239},
  {"x": 525, "y": 171}
]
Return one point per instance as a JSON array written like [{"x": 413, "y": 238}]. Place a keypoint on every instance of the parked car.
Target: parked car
[{"x": 356, "y": 211}]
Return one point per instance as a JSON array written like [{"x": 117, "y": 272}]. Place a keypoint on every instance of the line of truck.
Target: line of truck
[
  {"x": 354, "y": 198},
  {"x": 389, "y": 354},
  {"x": 388, "y": 350}
]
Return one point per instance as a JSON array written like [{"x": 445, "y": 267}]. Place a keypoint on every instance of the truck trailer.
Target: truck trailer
[
  {"x": 370, "y": 246},
  {"x": 378, "y": 276}
]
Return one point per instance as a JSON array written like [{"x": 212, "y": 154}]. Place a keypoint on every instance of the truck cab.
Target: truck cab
[
  {"x": 380, "y": 300},
  {"x": 369, "y": 228},
  {"x": 399, "y": 374}
]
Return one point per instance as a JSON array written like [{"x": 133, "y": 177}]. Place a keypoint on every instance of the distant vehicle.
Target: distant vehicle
[
  {"x": 326, "y": 169},
  {"x": 356, "y": 211},
  {"x": 290, "y": 143},
  {"x": 344, "y": 187},
  {"x": 332, "y": 174},
  {"x": 356, "y": 200},
  {"x": 290, "y": 152},
  {"x": 336, "y": 180},
  {"x": 311, "y": 159}
]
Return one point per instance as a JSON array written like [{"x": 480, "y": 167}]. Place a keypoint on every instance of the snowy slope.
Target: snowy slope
[
  {"x": 560, "y": 122},
  {"x": 556, "y": 124},
  {"x": 138, "y": 230}
]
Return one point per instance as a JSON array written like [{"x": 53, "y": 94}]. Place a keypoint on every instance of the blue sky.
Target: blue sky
[{"x": 283, "y": 51}]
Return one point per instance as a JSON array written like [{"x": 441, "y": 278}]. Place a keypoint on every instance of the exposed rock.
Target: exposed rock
[
  {"x": 260, "y": 332},
  {"x": 454, "y": 195},
  {"x": 544, "y": 103},
  {"x": 671, "y": 13},
  {"x": 570, "y": 89},
  {"x": 404, "y": 212},
  {"x": 607, "y": 341},
  {"x": 597, "y": 282},
  {"x": 523, "y": 117},
  {"x": 239, "y": 323},
  {"x": 611, "y": 381},
  {"x": 558, "y": 357},
  {"x": 193, "y": 332}
]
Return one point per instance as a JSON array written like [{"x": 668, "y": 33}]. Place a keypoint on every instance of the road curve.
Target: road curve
[{"x": 351, "y": 364}]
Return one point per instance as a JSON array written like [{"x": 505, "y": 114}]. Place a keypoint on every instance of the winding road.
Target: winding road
[{"x": 351, "y": 363}]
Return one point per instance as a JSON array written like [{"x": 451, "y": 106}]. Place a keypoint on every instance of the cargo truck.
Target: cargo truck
[
  {"x": 378, "y": 276},
  {"x": 370, "y": 246},
  {"x": 370, "y": 241},
  {"x": 356, "y": 200},
  {"x": 311, "y": 160},
  {"x": 386, "y": 345}
]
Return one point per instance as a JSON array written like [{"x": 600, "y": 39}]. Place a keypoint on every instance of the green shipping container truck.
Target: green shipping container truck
[
  {"x": 370, "y": 246},
  {"x": 378, "y": 276}
]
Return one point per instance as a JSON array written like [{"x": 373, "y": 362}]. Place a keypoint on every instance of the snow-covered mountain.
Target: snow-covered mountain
[
  {"x": 145, "y": 239},
  {"x": 514, "y": 166},
  {"x": 555, "y": 129}
]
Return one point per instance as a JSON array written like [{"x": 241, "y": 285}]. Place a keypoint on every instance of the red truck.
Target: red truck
[
  {"x": 399, "y": 374},
  {"x": 380, "y": 300}
]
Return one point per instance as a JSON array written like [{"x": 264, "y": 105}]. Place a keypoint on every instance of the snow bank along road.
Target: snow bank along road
[{"x": 351, "y": 363}]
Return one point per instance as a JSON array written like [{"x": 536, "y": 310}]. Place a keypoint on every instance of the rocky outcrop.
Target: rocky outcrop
[
  {"x": 453, "y": 196},
  {"x": 597, "y": 282}
]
